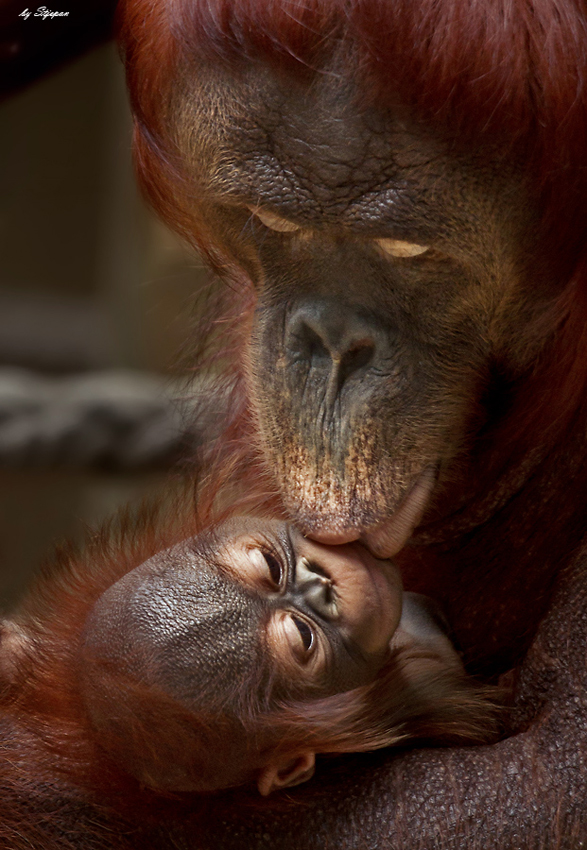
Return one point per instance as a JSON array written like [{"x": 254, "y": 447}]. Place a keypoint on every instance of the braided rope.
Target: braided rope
[{"x": 116, "y": 420}]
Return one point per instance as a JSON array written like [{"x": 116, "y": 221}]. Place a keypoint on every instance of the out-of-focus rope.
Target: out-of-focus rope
[{"x": 119, "y": 420}]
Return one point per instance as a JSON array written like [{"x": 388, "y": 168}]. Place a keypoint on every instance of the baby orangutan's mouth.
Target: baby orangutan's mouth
[{"x": 387, "y": 538}]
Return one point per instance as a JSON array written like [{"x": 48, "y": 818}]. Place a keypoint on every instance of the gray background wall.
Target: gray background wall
[{"x": 88, "y": 281}]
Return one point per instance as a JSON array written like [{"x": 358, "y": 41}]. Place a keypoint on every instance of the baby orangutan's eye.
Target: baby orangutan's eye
[
  {"x": 296, "y": 643},
  {"x": 274, "y": 567},
  {"x": 306, "y": 634},
  {"x": 267, "y": 566}
]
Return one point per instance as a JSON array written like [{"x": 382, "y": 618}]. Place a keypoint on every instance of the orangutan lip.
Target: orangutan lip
[{"x": 386, "y": 539}]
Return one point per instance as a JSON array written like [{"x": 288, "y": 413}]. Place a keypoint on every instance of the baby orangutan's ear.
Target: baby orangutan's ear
[{"x": 285, "y": 772}]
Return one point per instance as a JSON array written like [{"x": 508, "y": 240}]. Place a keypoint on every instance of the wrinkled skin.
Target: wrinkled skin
[
  {"x": 525, "y": 792},
  {"x": 365, "y": 371}
]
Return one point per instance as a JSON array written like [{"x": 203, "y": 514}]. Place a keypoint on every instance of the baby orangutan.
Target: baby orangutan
[{"x": 237, "y": 656}]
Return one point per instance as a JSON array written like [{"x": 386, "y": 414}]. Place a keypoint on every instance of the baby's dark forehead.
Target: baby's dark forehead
[{"x": 178, "y": 623}]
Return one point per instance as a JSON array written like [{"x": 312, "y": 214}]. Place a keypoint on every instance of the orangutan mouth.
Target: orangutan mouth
[{"x": 386, "y": 539}]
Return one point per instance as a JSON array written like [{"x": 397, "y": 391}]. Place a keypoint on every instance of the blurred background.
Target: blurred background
[{"x": 97, "y": 298}]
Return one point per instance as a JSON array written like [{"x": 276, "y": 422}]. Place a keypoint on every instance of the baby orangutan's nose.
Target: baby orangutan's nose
[{"x": 316, "y": 589}]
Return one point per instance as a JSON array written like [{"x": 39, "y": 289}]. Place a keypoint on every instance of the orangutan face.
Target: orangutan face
[{"x": 394, "y": 275}]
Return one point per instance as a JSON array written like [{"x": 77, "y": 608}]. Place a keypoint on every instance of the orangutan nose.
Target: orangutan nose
[
  {"x": 316, "y": 589},
  {"x": 333, "y": 342}
]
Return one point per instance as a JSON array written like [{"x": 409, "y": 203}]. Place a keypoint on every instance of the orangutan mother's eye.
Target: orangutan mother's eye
[
  {"x": 274, "y": 566},
  {"x": 398, "y": 248},
  {"x": 275, "y": 222},
  {"x": 306, "y": 634}
]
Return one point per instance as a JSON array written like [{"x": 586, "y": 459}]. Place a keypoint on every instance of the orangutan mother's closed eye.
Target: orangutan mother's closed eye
[
  {"x": 275, "y": 222},
  {"x": 399, "y": 248}
]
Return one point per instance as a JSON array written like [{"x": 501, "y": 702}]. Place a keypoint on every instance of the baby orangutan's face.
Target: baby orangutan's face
[
  {"x": 332, "y": 610},
  {"x": 248, "y": 613}
]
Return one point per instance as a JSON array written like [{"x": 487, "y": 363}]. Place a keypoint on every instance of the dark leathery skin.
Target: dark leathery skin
[{"x": 528, "y": 791}]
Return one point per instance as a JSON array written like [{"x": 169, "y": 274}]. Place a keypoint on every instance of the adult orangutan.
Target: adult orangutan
[{"x": 402, "y": 187}]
